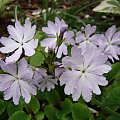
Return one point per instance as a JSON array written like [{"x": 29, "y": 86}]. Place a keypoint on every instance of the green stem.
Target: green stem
[
  {"x": 105, "y": 107},
  {"x": 16, "y": 13}
]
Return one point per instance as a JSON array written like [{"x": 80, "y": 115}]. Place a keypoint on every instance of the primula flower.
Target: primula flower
[
  {"x": 84, "y": 72},
  {"x": 16, "y": 82},
  {"x": 110, "y": 43},
  {"x": 20, "y": 39},
  {"x": 44, "y": 81},
  {"x": 86, "y": 37},
  {"x": 58, "y": 37}
]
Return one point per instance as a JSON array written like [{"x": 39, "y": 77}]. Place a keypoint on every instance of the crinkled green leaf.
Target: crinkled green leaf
[
  {"x": 2, "y": 106},
  {"x": 112, "y": 99},
  {"x": 11, "y": 108},
  {"x": 108, "y": 6},
  {"x": 66, "y": 109},
  {"x": 113, "y": 117},
  {"x": 80, "y": 112},
  {"x": 40, "y": 35},
  {"x": 33, "y": 105},
  {"x": 40, "y": 116},
  {"x": 20, "y": 115},
  {"x": 37, "y": 59},
  {"x": 50, "y": 112},
  {"x": 53, "y": 97},
  {"x": 115, "y": 72}
]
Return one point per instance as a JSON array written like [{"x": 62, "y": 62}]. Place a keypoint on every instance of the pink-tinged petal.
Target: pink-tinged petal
[
  {"x": 80, "y": 37},
  {"x": 22, "y": 66},
  {"x": 8, "y": 94},
  {"x": 16, "y": 32},
  {"x": 61, "y": 49},
  {"x": 24, "y": 86},
  {"x": 9, "y": 68},
  {"x": 29, "y": 47},
  {"x": 86, "y": 93},
  {"x": 113, "y": 53},
  {"x": 9, "y": 45},
  {"x": 16, "y": 92},
  {"x": 110, "y": 32},
  {"x": 116, "y": 38},
  {"x": 89, "y": 30},
  {"x": 101, "y": 80},
  {"x": 49, "y": 42},
  {"x": 59, "y": 71},
  {"x": 93, "y": 79},
  {"x": 5, "y": 81},
  {"x": 15, "y": 56},
  {"x": 75, "y": 51},
  {"x": 50, "y": 86},
  {"x": 42, "y": 86},
  {"x": 33, "y": 89},
  {"x": 28, "y": 30},
  {"x": 100, "y": 70},
  {"x": 53, "y": 28},
  {"x": 77, "y": 93}
]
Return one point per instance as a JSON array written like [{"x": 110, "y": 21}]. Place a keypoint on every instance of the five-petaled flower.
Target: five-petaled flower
[
  {"x": 58, "y": 37},
  {"x": 84, "y": 72},
  {"x": 44, "y": 81},
  {"x": 20, "y": 40},
  {"x": 17, "y": 81},
  {"x": 87, "y": 37},
  {"x": 110, "y": 43}
]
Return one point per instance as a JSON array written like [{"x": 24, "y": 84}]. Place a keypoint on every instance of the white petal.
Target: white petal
[
  {"x": 28, "y": 31},
  {"x": 49, "y": 42},
  {"x": 15, "y": 56},
  {"x": 29, "y": 47},
  {"x": 9, "y": 45},
  {"x": 17, "y": 32}
]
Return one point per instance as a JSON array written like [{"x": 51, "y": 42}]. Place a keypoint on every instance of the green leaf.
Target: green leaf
[
  {"x": 80, "y": 112},
  {"x": 50, "y": 112},
  {"x": 112, "y": 99},
  {"x": 113, "y": 117},
  {"x": 40, "y": 116},
  {"x": 66, "y": 109},
  {"x": 115, "y": 72},
  {"x": 11, "y": 108},
  {"x": 37, "y": 59},
  {"x": 108, "y": 6},
  {"x": 40, "y": 35},
  {"x": 2, "y": 106},
  {"x": 33, "y": 105},
  {"x": 20, "y": 115},
  {"x": 53, "y": 97}
]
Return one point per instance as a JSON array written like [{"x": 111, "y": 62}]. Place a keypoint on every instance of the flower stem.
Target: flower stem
[
  {"x": 16, "y": 13},
  {"x": 105, "y": 107}
]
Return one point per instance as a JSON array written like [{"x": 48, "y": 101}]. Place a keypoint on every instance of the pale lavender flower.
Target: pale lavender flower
[
  {"x": 110, "y": 43},
  {"x": 20, "y": 39},
  {"x": 84, "y": 72},
  {"x": 44, "y": 81},
  {"x": 58, "y": 37},
  {"x": 17, "y": 81},
  {"x": 86, "y": 37}
]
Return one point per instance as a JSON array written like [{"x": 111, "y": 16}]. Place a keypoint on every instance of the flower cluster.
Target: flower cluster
[{"x": 81, "y": 72}]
